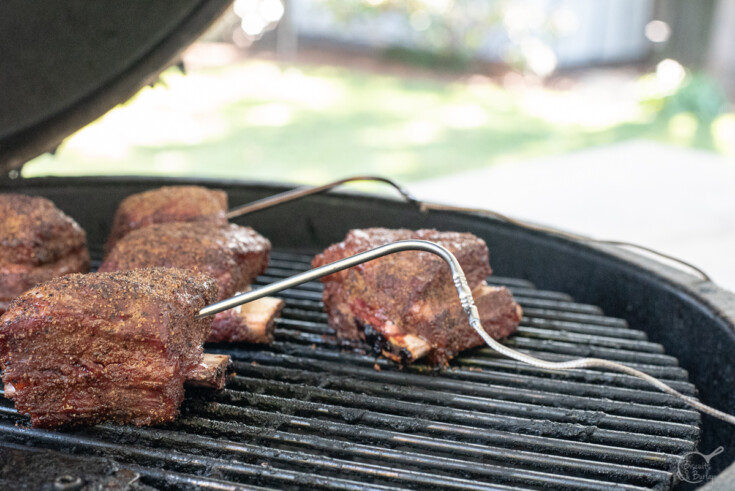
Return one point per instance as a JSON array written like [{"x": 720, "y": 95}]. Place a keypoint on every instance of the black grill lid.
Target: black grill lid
[{"x": 64, "y": 64}]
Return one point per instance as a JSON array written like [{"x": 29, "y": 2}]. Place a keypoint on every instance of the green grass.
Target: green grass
[{"x": 257, "y": 120}]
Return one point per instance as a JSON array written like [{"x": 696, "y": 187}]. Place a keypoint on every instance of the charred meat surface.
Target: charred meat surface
[
  {"x": 37, "y": 242},
  {"x": 167, "y": 204},
  {"x": 82, "y": 349},
  {"x": 233, "y": 255},
  {"x": 405, "y": 305}
]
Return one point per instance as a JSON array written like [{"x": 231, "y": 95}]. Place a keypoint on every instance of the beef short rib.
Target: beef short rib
[
  {"x": 37, "y": 242},
  {"x": 82, "y": 349},
  {"x": 167, "y": 204},
  {"x": 405, "y": 305},
  {"x": 233, "y": 255}
]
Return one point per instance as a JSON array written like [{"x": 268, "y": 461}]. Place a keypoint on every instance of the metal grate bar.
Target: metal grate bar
[
  {"x": 384, "y": 400},
  {"x": 499, "y": 444},
  {"x": 511, "y": 456},
  {"x": 540, "y": 294},
  {"x": 313, "y": 411},
  {"x": 308, "y": 427},
  {"x": 562, "y": 435},
  {"x": 576, "y": 350},
  {"x": 186, "y": 462},
  {"x": 303, "y": 312},
  {"x": 500, "y": 386},
  {"x": 530, "y": 403},
  {"x": 486, "y": 413},
  {"x": 293, "y": 256},
  {"x": 310, "y": 462},
  {"x": 530, "y": 333},
  {"x": 564, "y": 306},
  {"x": 157, "y": 477},
  {"x": 591, "y": 339},
  {"x": 533, "y": 346},
  {"x": 571, "y": 326},
  {"x": 560, "y": 315},
  {"x": 476, "y": 437},
  {"x": 492, "y": 457},
  {"x": 487, "y": 358},
  {"x": 388, "y": 439},
  {"x": 501, "y": 366}
]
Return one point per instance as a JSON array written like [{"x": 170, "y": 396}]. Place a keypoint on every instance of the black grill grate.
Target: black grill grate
[{"x": 311, "y": 411}]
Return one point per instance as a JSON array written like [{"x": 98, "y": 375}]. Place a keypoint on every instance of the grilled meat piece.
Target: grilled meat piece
[
  {"x": 231, "y": 254},
  {"x": 37, "y": 242},
  {"x": 167, "y": 204},
  {"x": 405, "y": 305},
  {"x": 82, "y": 349}
]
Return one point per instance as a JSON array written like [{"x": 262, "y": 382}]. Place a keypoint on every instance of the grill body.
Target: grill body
[{"x": 312, "y": 412}]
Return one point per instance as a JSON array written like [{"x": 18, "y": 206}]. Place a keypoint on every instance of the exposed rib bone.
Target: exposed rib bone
[
  {"x": 250, "y": 323},
  {"x": 210, "y": 373}
]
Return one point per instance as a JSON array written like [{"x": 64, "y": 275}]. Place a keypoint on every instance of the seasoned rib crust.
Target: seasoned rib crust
[
  {"x": 82, "y": 349},
  {"x": 37, "y": 242},
  {"x": 167, "y": 204},
  {"x": 233, "y": 255},
  {"x": 405, "y": 304}
]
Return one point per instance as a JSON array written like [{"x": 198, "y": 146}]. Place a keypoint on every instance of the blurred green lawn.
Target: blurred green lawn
[{"x": 260, "y": 120}]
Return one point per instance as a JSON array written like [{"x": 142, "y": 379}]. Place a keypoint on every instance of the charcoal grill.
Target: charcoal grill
[{"x": 310, "y": 411}]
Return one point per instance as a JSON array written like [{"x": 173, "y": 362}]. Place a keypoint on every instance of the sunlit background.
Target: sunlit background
[{"x": 612, "y": 118}]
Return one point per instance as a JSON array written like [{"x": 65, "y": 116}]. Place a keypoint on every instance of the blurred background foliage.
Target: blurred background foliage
[
  {"x": 451, "y": 33},
  {"x": 308, "y": 90}
]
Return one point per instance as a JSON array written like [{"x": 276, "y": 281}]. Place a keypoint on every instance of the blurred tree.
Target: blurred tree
[
  {"x": 455, "y": 30},
  {"x": 456, "y": 27}
]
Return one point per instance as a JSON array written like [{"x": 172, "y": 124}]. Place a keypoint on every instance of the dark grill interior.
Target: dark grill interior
[{"x": 311, "y": 411}]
